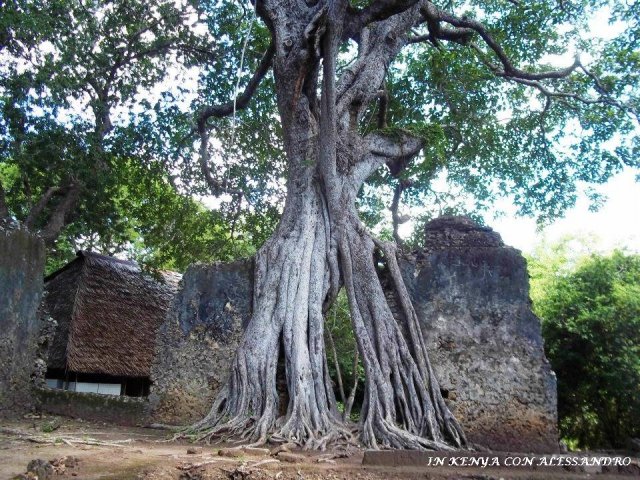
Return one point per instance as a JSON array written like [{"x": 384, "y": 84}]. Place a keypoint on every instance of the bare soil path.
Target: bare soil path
[{"x": 111, "y": 452}]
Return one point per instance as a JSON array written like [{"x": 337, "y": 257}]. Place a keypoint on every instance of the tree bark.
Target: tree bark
[
  {"x": 292, "y": 280},
  {"x": 320, "y": 245},
  {"x": 59, "y": 216},
  {"x": 38, "y": 208}
]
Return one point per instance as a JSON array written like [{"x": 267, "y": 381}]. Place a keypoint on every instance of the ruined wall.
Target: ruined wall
[
  {"x": 197, "y": 341},
  {"x": 21, "y": 273},
  {"x": 471, "y": 294},
  {"x": 121, "y": 410}
]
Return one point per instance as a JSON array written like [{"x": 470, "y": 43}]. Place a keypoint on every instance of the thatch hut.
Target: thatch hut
[{"x": 108, "y": 312}]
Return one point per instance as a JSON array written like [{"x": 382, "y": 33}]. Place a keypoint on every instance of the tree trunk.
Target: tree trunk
[
  {"x": 292, "y": 280},
  {"x": 319, "y": 246},
  {"x": 403, "y": 405}
]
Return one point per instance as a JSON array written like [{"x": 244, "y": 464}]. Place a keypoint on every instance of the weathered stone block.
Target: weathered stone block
[
  {"x": 471, "y": 294},
  {"x": 21, "y": 273},
  {"x": 197, "y": 342}
]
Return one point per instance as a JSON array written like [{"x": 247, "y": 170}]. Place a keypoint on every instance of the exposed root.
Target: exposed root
[{"x": 295, "y": 275}]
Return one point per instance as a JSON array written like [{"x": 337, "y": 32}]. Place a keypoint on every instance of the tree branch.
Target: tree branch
[
  {"x": 605, "y": 98},
  {"x": 354, "y": 387},
  {"x": 35, "y": 212},
  {"x": 216, "y": 186},
  {"x": 438, "y": 31},
  {"x": 334, "y": 353},
  {"x": 606, "y": 95},
  {"x": 383, "y": 104},
  {"x": 58, "y": 218},
  {"x": 395, "y": 204},
  {"x": 394, "y": 147},
  {"x": 435, "y": 15},
  {"x": 375, "y": 12},
  {"x": 395, "y": 150},
  {"x": 241, "y": 101},
  {"x": 378, "y": 45}
]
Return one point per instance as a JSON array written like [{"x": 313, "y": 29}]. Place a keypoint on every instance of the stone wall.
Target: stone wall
[
  {"x": 121, "y": 410},
  {"x": 197, "y": 341},
  {"x": 21, "y": 273},
  {"x": 471, "y": 294}
]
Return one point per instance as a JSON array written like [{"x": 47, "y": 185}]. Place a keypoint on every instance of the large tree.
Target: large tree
[
  {"x": 345, "y": 100},
  {"x": 333, "y": 64}
]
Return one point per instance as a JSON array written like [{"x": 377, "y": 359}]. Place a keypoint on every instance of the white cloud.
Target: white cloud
[{"x": 615, "y": 225}]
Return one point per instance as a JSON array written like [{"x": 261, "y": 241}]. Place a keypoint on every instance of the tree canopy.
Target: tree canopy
[{"x": 89, "y": 87}]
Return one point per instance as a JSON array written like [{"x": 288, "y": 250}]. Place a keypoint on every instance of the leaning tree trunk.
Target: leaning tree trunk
[
  {"x": 403, "y": 405},
  {"x": 320, "y": 246}
]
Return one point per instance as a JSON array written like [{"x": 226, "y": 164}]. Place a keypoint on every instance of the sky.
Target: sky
[{"x": 615, "y": 225}]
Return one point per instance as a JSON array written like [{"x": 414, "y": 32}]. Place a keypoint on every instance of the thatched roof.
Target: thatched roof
[{"x": 113, "y": 312}]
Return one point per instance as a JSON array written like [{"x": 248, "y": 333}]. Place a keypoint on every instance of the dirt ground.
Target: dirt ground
[{"x": 121, "y": 453}]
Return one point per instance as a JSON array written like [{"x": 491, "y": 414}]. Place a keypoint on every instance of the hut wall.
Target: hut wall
[
  {"x": 58, "y": 303},
  {"x": 21, "y": 272},
  {"x": 197, "y": 341}
]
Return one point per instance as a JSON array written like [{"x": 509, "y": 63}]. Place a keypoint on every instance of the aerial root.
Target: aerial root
[
  {"x": 403, "y": 439},
  {"x": 403, "y": 406}
]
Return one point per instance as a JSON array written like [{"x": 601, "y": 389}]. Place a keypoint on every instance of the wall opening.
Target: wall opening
[{"x": 101, "y": 384}]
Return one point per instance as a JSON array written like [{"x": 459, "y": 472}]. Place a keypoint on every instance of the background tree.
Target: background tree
[
  {"x": 95, "y": 100},
  {"x": 79, "y": 122},
  {"x": 590, "y": 320}
]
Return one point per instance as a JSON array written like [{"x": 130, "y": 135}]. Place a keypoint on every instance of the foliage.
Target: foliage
[
  {"x": 490, "y": 137},
  {"x": 551, "y": 260},
  {"x": 80, "y": 106},
  {"x": 152, "y": 223},
  {"x": 338, "y": 324},
  {"x": 89, "y": 86},
  {"x": 591, "y": 325}
]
